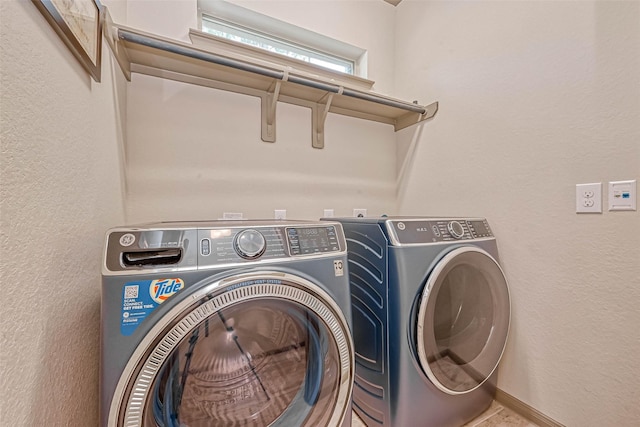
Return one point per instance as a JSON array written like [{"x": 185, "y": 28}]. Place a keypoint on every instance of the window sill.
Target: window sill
[{"x": 243, "y": 52}]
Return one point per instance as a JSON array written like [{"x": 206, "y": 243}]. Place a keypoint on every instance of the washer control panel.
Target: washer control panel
[
  {"x": 312, "y": 240},
  {"x": 237, "y": 245},
  {"x": 174, "y": 245},
  {"x": 416, "y": 231}
]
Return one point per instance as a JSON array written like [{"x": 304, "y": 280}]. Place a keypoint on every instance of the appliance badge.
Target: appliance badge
[
  {"x": 161, "y": 290},
  {"x": 127, "y": 239}
]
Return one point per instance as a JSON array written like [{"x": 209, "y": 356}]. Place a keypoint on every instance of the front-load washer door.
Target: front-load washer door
[
  {"x": 266, "y": 349},
  {"x": 463, "y": 320}
]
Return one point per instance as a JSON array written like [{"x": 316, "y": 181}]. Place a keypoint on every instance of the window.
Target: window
[
  {"x": 236, "y": 33},
  {"x": 245, "y": 26}
]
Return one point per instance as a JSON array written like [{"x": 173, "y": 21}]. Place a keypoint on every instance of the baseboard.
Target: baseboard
[{"x": 525, "y": 410}]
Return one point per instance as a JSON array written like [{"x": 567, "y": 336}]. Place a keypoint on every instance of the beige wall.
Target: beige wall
[
  {"x": 195, "y": 153},
  {"x": 60, "y": 190},
  {"x": 536, "y": 97}
]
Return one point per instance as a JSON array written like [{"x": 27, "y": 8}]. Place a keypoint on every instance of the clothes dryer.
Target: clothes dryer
[
  {"x": 431, "y": 313},
  {"x": 242, "y": 323}
]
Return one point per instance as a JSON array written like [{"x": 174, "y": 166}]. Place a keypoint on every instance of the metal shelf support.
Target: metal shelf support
[
  {"x": 269, "y": 105},
  {"x": 319, "y": 118}
]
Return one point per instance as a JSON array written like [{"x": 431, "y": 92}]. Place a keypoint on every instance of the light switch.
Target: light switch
[{"x": 622, "y": 195}]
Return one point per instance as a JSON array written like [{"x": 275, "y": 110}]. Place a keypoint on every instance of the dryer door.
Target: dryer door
[
  {"x": 463, "y": 320},
  {"x": 267, "y": 349}
]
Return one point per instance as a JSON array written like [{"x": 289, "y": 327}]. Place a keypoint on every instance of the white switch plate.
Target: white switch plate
[
  {"x": 328, "y": 213},
  {"x": 622, "y": 195},
  {"x": 232, "y": 215},
  {"x": 589, "y": 198},
  {"x": 359, "y": 213},
  {"x": 280, "y": 214}
]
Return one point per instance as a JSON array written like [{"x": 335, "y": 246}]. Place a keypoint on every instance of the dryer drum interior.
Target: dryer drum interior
[
  {"x": 254, "y": 354},
  {"x": 463, "y": 321}
]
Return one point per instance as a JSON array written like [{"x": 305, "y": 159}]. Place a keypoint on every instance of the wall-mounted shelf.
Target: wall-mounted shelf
[{"x": 139, "y": 52}]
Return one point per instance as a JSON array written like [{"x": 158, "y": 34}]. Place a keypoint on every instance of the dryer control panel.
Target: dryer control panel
[{"x": 437, "y": 230}]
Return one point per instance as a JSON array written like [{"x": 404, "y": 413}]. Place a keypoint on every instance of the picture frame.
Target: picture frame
[{"x": 79, "y": 24}]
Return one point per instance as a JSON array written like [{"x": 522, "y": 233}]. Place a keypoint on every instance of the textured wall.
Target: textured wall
[
  {"x": 60, "y": 191},
  {"x": 536, "y": 97},
  {"x": 194, "y": 152}
]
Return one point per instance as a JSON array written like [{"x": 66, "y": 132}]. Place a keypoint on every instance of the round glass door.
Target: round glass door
[
  {"x": 463, "y": 320},
  {"x": 263, "y": 351}
]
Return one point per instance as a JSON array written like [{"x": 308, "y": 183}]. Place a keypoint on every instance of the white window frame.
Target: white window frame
[
  {"x": 221, "y": 28},
  {"x": 262, "y": 25}
]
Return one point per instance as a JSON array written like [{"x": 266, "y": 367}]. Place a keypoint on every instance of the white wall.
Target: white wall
[
  {"x": 60, "y": 190},
  {"x": 536, "y": 97},
  {"x": 195, "y": 152}
]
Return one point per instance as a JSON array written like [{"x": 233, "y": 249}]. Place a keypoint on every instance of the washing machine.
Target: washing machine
[
  {"x": 244, "y": 323},
  {"x": 431, "y": 313}
]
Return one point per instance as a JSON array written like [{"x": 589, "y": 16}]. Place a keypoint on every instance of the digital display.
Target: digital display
[
  {"x": 310, "y": 240},
  {"x": 480, "y": 228}
]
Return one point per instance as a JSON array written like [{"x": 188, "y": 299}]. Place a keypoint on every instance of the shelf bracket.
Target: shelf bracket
[
  {"x": 269, "y": 105},
  {"x": 318, "y": 119}
]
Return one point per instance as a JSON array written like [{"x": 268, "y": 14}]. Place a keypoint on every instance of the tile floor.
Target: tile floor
[{"x": 496, "y": 415}]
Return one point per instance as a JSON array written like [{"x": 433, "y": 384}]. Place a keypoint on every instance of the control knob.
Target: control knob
[
  {"x": 455, "y": 229},
  {"x": 250, "y": 244}
]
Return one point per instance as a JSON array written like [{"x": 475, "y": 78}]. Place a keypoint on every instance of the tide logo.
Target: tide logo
[{"x": 161, "y": 290}]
